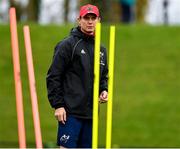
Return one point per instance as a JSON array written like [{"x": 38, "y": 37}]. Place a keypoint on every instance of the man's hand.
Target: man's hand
[
  {"x": 103, "y": 97},
  {"x": 60, "y": 115}
]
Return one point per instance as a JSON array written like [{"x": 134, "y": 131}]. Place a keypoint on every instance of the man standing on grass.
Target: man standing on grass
[{"x": 70, "y": 81}]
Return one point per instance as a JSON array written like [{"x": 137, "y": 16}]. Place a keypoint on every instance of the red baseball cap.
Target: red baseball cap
[{"x": 84, "y": 10}]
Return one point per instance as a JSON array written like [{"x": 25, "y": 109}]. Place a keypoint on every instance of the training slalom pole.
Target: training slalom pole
[
  {"x": 110, "y": 87},
  {"x": 17, "y": 78},
  {"x": 32, "y": 85},
  {"x": 96, "y": 86}
]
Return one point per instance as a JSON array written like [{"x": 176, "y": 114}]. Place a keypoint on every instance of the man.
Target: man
[{"x": 70, "y": 81}]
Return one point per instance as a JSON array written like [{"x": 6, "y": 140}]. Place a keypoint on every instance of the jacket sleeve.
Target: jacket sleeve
[
  {"x": 55, "y": 75},
  {"x": 104, "y": 75}
]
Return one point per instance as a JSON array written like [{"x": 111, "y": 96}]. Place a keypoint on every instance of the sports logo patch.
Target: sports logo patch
[{"x": 64, "y": 138}]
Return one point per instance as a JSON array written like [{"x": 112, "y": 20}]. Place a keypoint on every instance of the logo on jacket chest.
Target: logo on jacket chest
[
  {"x": 102, "y": 58},
  {"x": 83, "y": 51}
]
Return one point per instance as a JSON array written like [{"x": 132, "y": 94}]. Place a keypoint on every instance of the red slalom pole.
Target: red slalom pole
[
  {"x": 32, "y": 85},
  {"x": 17, "y": 78}
]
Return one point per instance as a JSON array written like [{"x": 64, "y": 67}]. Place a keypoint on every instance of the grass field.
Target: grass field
[{"x": 146, "y": 104}]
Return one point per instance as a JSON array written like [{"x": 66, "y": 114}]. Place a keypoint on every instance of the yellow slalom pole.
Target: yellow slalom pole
[
  {"x": 96, "y": 86},
  {"x": 110, "y": 87}
]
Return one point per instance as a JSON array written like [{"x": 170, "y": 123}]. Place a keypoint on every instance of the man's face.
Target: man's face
[{"x": 88, "y": 23}]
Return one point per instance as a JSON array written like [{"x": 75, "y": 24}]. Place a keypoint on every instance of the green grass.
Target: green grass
[{"x": 146, "y": 104}]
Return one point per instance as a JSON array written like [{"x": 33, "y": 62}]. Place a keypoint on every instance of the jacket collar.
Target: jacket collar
[{"x": 77, "y": 32}]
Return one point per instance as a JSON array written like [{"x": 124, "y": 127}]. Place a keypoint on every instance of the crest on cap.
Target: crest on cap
[{"x": 89, "y": 8}]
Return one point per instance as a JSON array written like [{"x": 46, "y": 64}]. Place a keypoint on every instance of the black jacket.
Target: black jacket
[{"x": 70, "y": 76}]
